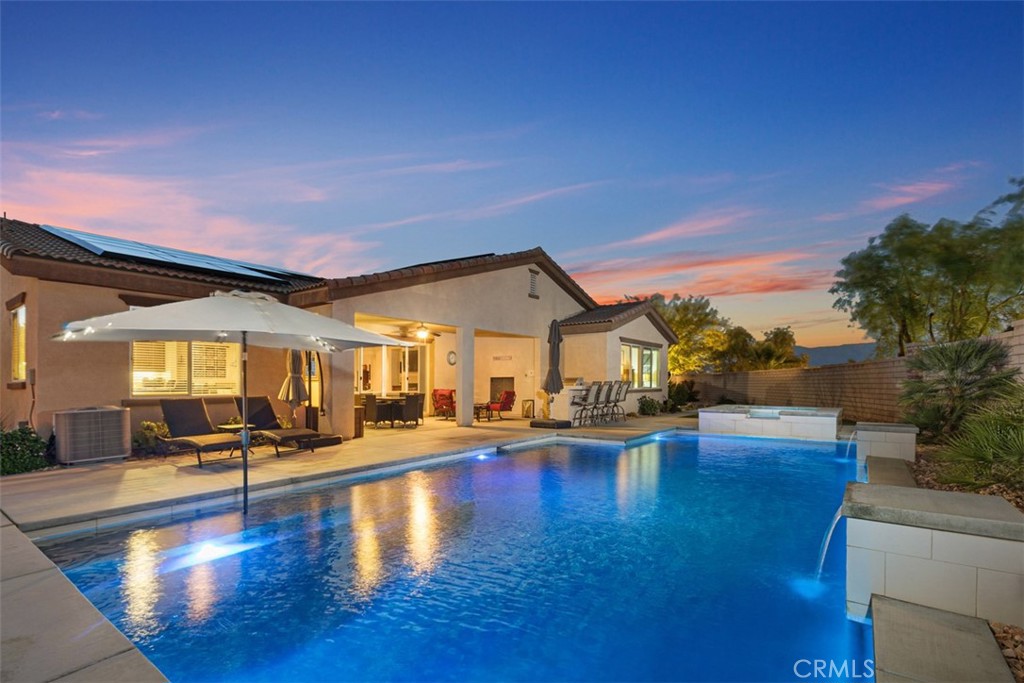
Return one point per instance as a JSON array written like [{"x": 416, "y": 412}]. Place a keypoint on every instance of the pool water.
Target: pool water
[{"x": 688, "y": 558}]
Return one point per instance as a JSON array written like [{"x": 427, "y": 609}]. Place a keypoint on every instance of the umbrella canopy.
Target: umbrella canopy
[
  {"x": 242, "y": 317},
  {"x": 225, "y": 317},
  {"x": 553, "y": 380},
  {"x": 293, "y": 391}
]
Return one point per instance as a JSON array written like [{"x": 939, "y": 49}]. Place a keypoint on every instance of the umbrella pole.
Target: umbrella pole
[{"x": 245, "y": 426}]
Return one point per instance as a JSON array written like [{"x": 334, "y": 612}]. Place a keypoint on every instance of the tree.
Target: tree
[
  {"x": 742, "y": 352},
  {"x": 950, "y": 282},
  {"x": 884, "y": 287},
  {"x": 699, "y": 327}
]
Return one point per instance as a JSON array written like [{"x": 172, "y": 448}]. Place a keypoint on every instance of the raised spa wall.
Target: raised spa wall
[{"x": 819, "y": 424}]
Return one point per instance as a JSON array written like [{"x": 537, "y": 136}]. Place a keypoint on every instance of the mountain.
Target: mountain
[{"x": 832, "y": 355}]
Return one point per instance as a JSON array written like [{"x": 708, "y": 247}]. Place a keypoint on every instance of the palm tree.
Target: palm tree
[{"x": 949, "y": 380}]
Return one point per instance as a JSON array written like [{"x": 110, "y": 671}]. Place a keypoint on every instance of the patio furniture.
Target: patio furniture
[
  {"x": 504, "y": 402},
  {"x": 377, "y": 411},
  {"x": 189, "y": 425},
  {"x": 408, "y": 410},
  {"x": 444, "y": 402},
  {"x": 608, "y": 406},
  {"x": 265, "y": 424},
  {"x": 585, "y": 404},
  {"x": 620, "y": 398},
  {"x": 601, "y": 409},
  {"x": 482, "y": 410}
]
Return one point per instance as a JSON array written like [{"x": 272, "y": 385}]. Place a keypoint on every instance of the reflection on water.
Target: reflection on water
[
  {"x": 140, "y": 583},
  {"x": 201, "y": 589},
  {"x": 636, "y": 477},
  {"x": 366, "y": 548},
  {"x": 422, "y": 524}
]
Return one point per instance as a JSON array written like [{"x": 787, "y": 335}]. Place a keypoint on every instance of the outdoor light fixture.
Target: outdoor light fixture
[{"x": 422, "y": 333}]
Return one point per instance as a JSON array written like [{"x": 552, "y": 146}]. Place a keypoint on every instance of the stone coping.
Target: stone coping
[
  {"x": 892, "y": 427},
  {"x": 964, "y": 513},
  {"x": 789, "y": 411},
  {"x": 917, "y": 643},
  {"x": 51, "y": 632},
  {"x": 52, "y": 528},
  {"x": 890, "y": 471}
]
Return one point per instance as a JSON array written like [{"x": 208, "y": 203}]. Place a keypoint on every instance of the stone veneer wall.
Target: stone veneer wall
[{"x": 865, "y": 391}]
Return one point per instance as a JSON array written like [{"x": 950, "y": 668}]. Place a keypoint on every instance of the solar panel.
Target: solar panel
[{"x": 101, "y": 245}]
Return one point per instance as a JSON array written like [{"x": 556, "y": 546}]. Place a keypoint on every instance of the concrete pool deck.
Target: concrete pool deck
[{"x": 50, "y": 632}]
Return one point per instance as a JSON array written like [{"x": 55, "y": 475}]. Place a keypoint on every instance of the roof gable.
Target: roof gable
[
  {"x": 613, "y": 316},
  {"x": 435, "y": 271}
]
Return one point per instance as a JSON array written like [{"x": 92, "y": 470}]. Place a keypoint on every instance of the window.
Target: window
[
  {"x": 640, "y": 366},
  {"x": 178, "y": 368},
  {"x": 19, "y": 366}
]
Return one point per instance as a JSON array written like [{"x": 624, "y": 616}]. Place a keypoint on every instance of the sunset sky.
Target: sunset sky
[{"x": 734, "y": 150}]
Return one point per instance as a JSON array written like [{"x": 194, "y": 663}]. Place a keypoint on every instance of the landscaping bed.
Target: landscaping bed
[{"x": 931, "y": 472}]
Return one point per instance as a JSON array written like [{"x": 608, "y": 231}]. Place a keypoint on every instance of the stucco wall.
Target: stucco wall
[
  {"x": 495, "y": 301},
  {"x": 641, "y": 329},
  {"x": 867, "y": 391},
  {"x": 83, "y": 374},
  {"x": 597, "y": 356}
]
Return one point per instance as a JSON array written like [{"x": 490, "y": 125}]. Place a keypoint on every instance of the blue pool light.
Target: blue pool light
[{"x": 205, "y": 552}]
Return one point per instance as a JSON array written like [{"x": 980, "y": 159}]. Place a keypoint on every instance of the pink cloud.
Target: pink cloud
[
  {"x": 942, "y": 180},
  {"x": 68, "y": 114},
  {"x": 166, "y": 212},
  {"x": 911, "y": 193},
  {"x": 475, "y": 213},
  {"x": 732, "y": 275},
  {"x": 708, "y": 223}
]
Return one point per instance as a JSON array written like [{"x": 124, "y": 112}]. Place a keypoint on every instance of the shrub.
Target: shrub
[
  {"x": 989, "y": 448},
  {"x": 949, "y": 380},
  {"x": 681, "y": 393},
  {"x": 21, "y": 450},
  {"x": 646, "y": 405},
  {"x": 145, "y": 441}
]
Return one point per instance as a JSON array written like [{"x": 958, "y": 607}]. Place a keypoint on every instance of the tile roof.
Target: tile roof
[
  {"x": 611, "y": 316},
  {"x": 29, "y": 239},
  {"x": 458, "y": 267}
]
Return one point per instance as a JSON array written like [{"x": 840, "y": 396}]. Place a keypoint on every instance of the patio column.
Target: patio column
[{"x": 464, "y": 374}]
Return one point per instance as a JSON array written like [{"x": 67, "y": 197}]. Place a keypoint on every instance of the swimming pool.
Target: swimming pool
[{"x": 686, "y": 558}]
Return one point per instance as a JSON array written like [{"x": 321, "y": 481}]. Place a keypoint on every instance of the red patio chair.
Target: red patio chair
[{"x": 504, "y": 402}]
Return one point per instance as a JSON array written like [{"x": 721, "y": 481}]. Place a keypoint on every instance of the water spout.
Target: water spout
[
  {"x": 826, "y": 540},
  {"x": 849, "y": 443}
]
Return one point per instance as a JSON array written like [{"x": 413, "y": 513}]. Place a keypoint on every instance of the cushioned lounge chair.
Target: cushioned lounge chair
[
  {"x": 265, "y": 424},
  {"x": 189, "y": 425}
]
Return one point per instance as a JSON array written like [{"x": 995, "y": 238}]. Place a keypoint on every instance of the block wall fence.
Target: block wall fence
[{"x": 866, "y": 391}]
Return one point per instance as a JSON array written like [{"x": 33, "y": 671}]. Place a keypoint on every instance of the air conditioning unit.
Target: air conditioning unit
[{"x": 90, "y": 434}]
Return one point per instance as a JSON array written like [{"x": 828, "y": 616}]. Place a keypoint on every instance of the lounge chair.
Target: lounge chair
[
  {"x": 265, "y": 424},
  {"x": 189, "y": 425},
  {"x": 504, "y": 402}
]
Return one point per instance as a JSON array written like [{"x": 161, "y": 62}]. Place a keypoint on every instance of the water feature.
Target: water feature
[
  {"x": 826, "y": 540},
  {"x": 849, "y": 443}
]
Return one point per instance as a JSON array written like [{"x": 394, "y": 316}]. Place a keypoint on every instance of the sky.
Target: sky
[{"x": 731, "y": 150}]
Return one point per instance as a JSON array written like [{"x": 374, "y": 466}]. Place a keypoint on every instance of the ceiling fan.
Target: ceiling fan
[{"x": 420, "y": 333}]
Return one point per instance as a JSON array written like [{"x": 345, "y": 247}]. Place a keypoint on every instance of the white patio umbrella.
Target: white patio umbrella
[{"x": 241, "y": 317}]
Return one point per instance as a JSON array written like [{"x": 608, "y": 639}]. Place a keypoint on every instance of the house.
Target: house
[{"x": 479, "y": 325}]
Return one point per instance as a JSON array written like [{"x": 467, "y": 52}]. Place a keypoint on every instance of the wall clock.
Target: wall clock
[{"x": 452, "y": 357}]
